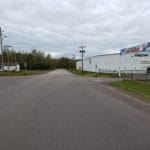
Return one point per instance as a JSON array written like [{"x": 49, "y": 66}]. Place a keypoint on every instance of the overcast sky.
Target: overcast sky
[{"x": 60, "y": 26}]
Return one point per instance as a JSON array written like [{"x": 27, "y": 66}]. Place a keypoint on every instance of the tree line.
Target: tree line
[{"x": 36, "y": 60}]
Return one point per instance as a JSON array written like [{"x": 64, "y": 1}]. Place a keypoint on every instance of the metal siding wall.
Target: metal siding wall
[{"x": 115, "y": 62}]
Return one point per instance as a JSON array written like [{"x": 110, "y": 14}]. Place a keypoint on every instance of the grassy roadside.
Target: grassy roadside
[
  {"x": 91, "y": 74},
  {"x": 139, "y": 88},
  {"x": 24, "y": 73}
]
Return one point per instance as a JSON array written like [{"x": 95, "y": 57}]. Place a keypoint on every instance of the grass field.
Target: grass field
[
  {"x": 23, "y": 73},
  {"x": 140, "y": 88},
  {"x": 91, "y": 74}
]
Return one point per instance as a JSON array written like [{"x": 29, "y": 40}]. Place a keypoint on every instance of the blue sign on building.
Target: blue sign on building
[{"x": 140, "y": 48}]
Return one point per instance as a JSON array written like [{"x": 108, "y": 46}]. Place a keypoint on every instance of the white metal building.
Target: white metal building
[
  {"x": 136, "y": 59},
  {"x": 10, "y": 67}
]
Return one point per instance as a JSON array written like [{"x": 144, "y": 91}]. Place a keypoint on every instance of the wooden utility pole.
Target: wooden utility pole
[
  {"x": 82, "y": 51},
  {"x": 1, "y": 45}
]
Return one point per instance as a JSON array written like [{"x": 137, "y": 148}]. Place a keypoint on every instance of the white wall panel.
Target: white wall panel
[{"x": 115, "y": 62}]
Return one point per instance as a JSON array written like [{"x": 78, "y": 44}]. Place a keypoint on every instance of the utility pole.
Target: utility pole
[
  {"x": 15, "y": 58},
  {"x": 1, "y": 46},
  {"x": 1, "y": 41},
  {"x": 8, "y": 56},
  {"x": 7, "y": 50},
  {"x": 82, "y": 51},
  {"x": 73, "y": 57}
]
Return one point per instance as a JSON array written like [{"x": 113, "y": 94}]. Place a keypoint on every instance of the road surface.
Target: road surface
[{"x": 60, "y": 111}]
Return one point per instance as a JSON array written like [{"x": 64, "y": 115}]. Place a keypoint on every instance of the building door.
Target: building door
[{"x": 148, "y": 70}]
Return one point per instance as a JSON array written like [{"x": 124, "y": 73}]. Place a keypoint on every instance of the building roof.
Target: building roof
[{"x": 100, "y": 55}]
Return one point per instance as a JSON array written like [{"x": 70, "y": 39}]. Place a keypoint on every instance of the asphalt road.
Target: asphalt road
[{"x": 60, "y": 111}]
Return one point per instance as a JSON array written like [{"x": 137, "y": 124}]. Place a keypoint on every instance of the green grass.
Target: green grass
[
  {"x": 91, "y": 74},
  {"x": 140, "y": 88},
  {"x": 23, "y": 73}
]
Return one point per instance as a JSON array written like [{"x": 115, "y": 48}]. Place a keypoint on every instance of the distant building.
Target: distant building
[{"x": 10, "y": 67}]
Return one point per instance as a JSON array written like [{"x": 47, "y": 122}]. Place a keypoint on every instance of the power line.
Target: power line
[
  {"x": 138, "y": 17},
  {"x": 114, "y": 3}
]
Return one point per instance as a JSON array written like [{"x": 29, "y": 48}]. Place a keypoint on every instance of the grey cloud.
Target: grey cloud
[{"x": 60, "y": 26}]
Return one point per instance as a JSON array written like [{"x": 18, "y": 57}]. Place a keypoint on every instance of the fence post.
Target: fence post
[
  {"x": 145, "y": 77},
  {"x": 131, "y": 76}
]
